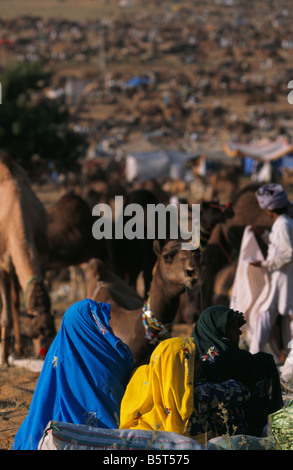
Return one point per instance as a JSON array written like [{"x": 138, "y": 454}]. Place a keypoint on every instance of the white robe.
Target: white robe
[
  {"x": 279, "y": 263},
  {"x": 251, "y": 285},
  {"x": 269, "y": 289}
]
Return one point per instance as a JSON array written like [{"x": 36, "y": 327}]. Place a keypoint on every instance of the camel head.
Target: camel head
[
  {"x": 176, "y": 266},
  {"x": 42, "y": 326}
]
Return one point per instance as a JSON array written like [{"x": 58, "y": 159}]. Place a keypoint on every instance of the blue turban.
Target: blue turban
[{"x": 272, "y": 196}]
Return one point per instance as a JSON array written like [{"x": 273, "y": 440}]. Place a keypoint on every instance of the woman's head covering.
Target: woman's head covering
[
  {"x": 83, "y": 378},
  {"x": 159, "y": 396},
  {"x": 210, "y": 332},
  {"x": 272, "y": 196}
]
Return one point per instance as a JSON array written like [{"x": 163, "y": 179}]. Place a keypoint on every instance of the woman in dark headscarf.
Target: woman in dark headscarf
[{"x": 216, "y": 335}]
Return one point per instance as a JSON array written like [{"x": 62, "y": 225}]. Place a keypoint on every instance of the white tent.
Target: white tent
[{"x": 156, "y": 164}]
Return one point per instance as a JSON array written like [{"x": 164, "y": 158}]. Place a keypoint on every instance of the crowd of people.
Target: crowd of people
[{"x": 200, "y": 386}]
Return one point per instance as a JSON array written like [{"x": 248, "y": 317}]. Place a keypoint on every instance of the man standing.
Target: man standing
[{"x": 277, "y": 309}]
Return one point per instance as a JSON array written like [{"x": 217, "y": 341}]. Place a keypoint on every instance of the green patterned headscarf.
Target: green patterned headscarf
[{"x": 210, "y": 331}]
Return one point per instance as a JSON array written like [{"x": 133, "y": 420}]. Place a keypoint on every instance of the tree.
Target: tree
[{"x": 31, "y": 124}]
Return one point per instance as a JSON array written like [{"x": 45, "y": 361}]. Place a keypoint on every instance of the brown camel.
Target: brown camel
[
  {"x": 142, "y": 325},
  {"x": 212, "y": 214},
  {"x": 130, "y": 257},
  {"x": 127, "y": 258},
  {"x": 23, "y": 257},
  {"x": 69, "y": 233},
  {"x": 71, "y": 241}
]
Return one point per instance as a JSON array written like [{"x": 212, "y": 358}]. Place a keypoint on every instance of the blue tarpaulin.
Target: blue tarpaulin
[{"x": 137, "y": 81}]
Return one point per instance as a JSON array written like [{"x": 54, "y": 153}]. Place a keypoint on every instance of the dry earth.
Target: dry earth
[{"x": 16, "y": 390}]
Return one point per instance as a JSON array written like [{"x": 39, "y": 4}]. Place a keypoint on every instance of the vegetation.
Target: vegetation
[{"x": 33, "y": 127}]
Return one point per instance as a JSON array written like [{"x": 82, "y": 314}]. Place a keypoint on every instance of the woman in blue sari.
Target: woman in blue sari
[{"x": 83, "y": 378}]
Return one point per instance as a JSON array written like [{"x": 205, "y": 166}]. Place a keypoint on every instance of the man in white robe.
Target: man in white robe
[
  {"x": 251, "y": 286},
  {"x": 279, "y": 265}
]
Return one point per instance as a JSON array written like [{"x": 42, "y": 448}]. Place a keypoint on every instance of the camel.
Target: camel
[
  {"x": 127, "y": 258},
  {"x": 130, "y": 257},
  {"x": 23, "y": 257},
  {"x": 69, "y": 233},
  {"x": 212, "y": 214},
  {"x": 141, "y": 325},
  {"x": 71, "y": 242}
]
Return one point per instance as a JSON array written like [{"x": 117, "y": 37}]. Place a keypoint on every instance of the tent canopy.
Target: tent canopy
[{"x": 264, "y": 150}]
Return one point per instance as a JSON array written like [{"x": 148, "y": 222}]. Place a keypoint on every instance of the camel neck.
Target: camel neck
[
  {"x": 164, "y": 299},
  {"x": 26, "y": 271},
  {"x": 21, "y": 246}
]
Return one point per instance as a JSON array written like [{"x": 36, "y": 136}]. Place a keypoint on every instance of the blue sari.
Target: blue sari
[{"x": 83, "y": 378}]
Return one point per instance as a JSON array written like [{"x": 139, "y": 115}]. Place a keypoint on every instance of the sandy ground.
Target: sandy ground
[
  {"x": 16, "y": 390},
  {"x": 17, "y": 385}
]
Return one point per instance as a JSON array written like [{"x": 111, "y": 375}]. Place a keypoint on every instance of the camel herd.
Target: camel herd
[{"x": 34, "y": 240}]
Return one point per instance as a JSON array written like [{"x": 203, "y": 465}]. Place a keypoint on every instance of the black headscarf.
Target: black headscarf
[
  {"x": 211, "y": 329},
  {"x": 222, "y": 360}
]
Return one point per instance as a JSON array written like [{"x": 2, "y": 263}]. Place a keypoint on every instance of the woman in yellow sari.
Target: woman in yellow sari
[{"x": 162, "y": 395}]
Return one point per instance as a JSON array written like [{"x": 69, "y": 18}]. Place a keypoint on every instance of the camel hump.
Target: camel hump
[{"x": 9, "y": 169}]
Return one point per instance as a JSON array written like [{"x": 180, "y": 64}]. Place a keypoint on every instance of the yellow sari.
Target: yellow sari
[{"x": 159, "y": 395}]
